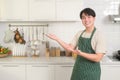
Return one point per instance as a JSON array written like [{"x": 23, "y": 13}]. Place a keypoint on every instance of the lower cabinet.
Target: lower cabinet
[
  {"x": 50, "y": 72},
  {"x": 110, "y": 72},
  {"x": 12, "y": 72},
  {"x": 40, "y": 72},
  {"x": 63, "y": 72},
  {"x": 35, "y": 72}
]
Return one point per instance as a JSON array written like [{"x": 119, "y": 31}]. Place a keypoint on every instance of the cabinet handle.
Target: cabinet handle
[
  {"x": 10, "y": 65},
  {"x": 14, "y": 19},
  {"x": 39, "y": 66},
  {"x": 66, "y": 66}
]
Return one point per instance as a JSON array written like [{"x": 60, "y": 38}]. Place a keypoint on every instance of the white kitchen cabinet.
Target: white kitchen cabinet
[
  {"x": 12, "y": 72},
  {"x": 42, "y": 10},
  {"x": 14, "y": 10},
  {"x": 110, "y": 72},
  {"x": 27, "y": 10},
  {"x": 68, "y": 10},
  {"x": 0, "y": 8},
  {"x": 63, "y": 72},
  {"x": 40, "y": 72}
]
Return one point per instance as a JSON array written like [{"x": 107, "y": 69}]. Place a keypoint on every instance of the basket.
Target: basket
[{"x": 3, "y": 55}]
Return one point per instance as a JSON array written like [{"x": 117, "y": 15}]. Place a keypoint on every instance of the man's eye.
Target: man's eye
[{"x": 83, "y": 17}]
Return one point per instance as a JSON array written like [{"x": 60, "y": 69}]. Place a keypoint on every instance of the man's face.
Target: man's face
[{"x": 87, "y": 20}]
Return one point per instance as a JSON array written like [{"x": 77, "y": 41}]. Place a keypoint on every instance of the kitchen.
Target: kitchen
[{"x": 63, "y": 15}]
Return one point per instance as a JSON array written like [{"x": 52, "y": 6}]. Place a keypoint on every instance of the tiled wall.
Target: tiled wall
[
  {"x": 66, "y": 30},
  {"x": 111, "y": 30}
]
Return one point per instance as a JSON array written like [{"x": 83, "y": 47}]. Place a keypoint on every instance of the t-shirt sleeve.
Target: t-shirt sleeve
[
  {"x": 100, "y": 43},
  {"x": 74, "y": 41}
]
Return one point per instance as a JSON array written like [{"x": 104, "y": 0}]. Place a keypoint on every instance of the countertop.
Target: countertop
[
  {"x": 50, "y": 60},
  {"x": 37, "y": 60}
]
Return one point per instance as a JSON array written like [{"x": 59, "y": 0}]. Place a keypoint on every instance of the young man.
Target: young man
[{"x": 89, "y": 45}]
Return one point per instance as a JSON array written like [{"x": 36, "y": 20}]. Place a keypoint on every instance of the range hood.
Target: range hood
[
  {"x": 114, "y": 11},
  {"x": 115, "y": 18}
]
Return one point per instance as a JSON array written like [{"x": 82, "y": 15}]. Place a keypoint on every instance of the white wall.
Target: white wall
[
  {"x": 111, "y": 30},
  {"x": 66, "y": 30}
]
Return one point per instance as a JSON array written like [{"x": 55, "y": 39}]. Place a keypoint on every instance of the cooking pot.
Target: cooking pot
[
  {"x": 117, "y": 55},
  {"x": 119, "y": 52}
]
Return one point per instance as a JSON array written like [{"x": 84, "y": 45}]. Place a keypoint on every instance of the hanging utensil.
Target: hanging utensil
[
  {"x": 32, "y": 41},
  {"x": 29, "y": 42},
  {"x": 37, "y": 41},
  {"x": 43, "y": 36}
]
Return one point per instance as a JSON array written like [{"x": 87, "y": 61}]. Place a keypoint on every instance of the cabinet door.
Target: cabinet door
[
  {"x": 42, "y": 10},
  {"x": 40, "y": 72},
  {"x": 68, "y": 10},
  {"x": 63, "y": 72},
  {"x": 110, "y": 72},
  {"x": 12, "y": 72},
  {"x": 14, "y": 10}
]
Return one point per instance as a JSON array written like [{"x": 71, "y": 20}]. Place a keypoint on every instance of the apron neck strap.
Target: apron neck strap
[{"x": 91, "y": 34}]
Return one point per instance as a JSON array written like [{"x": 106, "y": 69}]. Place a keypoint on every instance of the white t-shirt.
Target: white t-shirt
[{"x": 98, "y": 41}]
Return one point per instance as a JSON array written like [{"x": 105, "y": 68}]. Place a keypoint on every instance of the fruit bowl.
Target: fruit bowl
[{"x": 4, "y": 51}]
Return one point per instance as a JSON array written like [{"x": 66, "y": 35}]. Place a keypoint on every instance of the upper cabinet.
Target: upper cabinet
[
  {"x": 40, "y": 10},
  {"x": 68, "y": 10},
  {"x": 14, "y": 10}
]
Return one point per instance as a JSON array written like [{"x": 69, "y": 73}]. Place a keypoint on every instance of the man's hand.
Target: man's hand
[{"x": 78, "y": 52}]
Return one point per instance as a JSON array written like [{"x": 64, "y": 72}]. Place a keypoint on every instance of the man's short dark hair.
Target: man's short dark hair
[{"x": 87, "y": 11}]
